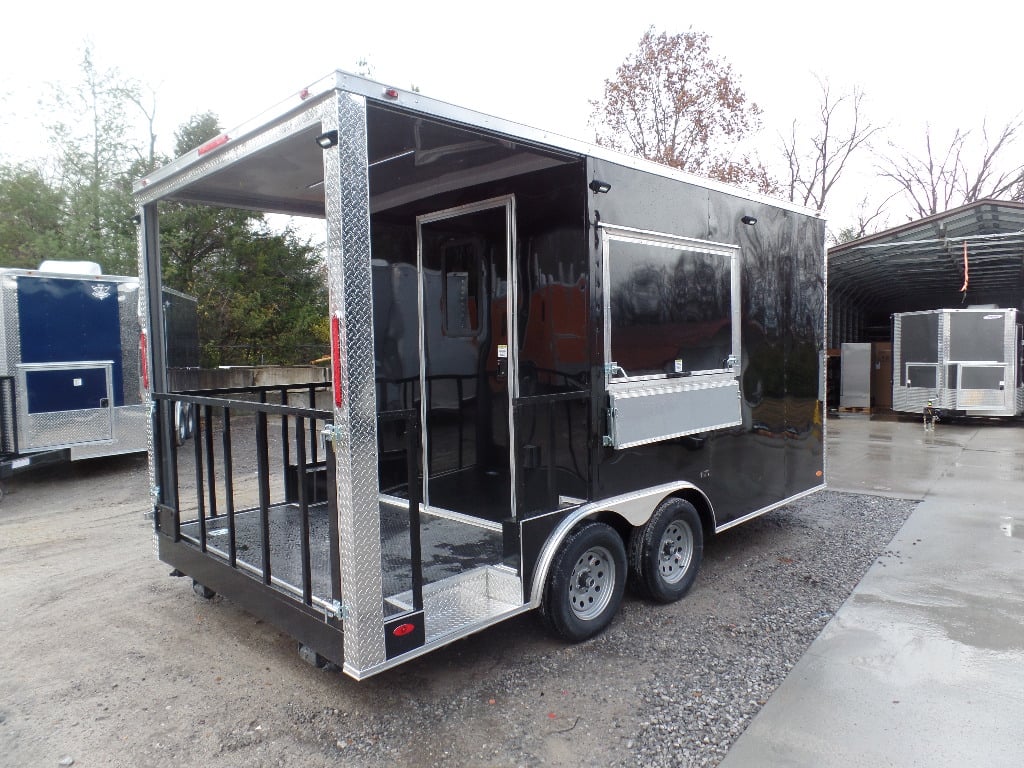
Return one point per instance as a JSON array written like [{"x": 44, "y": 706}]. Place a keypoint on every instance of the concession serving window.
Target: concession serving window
[{"x": 672, "y": 335}]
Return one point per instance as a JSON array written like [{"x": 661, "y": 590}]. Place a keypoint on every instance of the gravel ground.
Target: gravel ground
[{"x": 108, "y": 662}]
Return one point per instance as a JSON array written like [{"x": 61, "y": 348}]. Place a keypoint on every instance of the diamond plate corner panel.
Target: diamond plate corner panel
[
  {"x": 350, "y": 283},
  {"x": 12, "y": 328},
  {"x": 142, "y": 308},
  {"x": 128, "y": 317}
]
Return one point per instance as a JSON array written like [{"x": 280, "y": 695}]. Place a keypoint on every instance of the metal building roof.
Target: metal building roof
[{"x": 920, "y": 265}]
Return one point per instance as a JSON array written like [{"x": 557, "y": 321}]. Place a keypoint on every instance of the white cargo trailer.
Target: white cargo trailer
[{"x": 966, "y": 362}]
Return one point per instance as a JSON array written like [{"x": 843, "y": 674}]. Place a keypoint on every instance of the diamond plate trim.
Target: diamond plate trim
[
  {"x": 346, "y": 189},
  {"x": 12, "y": 326},
  {"x": 128, "y": 317},
  {"x": 142, "y": 308}
]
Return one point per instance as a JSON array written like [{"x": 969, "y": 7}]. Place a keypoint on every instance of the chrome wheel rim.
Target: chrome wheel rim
[
  {"x": 675, "y": 551},
  {"x": 592, "y": 583}
]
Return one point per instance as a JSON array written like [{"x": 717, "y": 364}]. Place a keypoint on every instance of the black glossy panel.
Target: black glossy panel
[
  {"x": 977, "y": 336},
  {"x": 777, "y": 452},
  {"x": 983, "y": 377},
  {"x": 919, "y": 338},
  {"x": 926, "y": 376},
  {"x": 671, "y": 308}
]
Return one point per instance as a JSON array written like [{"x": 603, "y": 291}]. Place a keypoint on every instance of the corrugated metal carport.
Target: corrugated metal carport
[{"x": 920, "y": 265}]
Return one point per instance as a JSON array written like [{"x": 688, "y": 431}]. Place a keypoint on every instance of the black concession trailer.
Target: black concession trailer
[{"x": 555, "y": 369}]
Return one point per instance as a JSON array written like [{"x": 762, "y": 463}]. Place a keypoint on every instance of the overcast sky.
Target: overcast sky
[{"x": 538, "y": 63}]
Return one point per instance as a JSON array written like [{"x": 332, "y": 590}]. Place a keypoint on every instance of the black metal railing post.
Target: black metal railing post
[
  {"x": 229, "y": 487},
  {"x": 263, "y": 480},
  {"x": 300, "y": 458},
  {"x": 200, "y": 493},
  {"x": 211, "y": 476}
]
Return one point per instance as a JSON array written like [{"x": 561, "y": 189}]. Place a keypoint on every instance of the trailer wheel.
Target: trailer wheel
[
  {"x": 202, "y": 590},
  {"x": 665, "y": 553},
  {"x": 585, "y": 584},
  {"x": 184, "y": 421}
]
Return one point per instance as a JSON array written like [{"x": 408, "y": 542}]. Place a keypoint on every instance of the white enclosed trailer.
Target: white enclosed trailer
[{"x": 966, "y": 362}]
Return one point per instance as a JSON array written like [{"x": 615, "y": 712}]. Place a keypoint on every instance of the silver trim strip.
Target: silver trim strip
[{"x": 769, "y": 508}]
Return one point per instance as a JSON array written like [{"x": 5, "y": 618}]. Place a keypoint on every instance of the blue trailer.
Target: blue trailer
[{"x": 70, "y": 374}]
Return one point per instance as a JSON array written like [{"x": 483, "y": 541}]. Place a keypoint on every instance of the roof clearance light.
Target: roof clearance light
[
  {"x": 390, "y": 93},
  {"x": 304, "y": 94},
  {"x": 211, "y": 145}
]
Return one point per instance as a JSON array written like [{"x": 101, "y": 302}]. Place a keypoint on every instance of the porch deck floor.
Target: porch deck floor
[{"x": 449, "y": 547}]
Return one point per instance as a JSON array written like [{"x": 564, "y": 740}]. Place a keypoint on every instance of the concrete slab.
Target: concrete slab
[{"x": 924, "y": 663}]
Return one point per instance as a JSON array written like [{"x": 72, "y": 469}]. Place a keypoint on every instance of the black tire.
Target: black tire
[
  {"x": 585, "y": 583},
  {"x": 665, "y": 553},
  {"x": 181, "y": 422}
]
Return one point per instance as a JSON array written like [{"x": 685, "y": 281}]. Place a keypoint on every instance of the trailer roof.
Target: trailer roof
[
  {"x": 287, "y": 190},
  {"x": 920, "y": 265}
]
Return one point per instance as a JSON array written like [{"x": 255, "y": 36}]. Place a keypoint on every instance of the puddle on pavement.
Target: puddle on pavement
[
  {"x": 1012, "y": 527},
  {"x": 931, "y": 440}
]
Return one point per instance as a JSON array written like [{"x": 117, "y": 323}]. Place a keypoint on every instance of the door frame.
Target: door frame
[{"x": 512, "y": 378}]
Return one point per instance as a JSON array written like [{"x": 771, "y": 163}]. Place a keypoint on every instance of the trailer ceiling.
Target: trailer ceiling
[
  {"x": 920, "y": 265},
  {"x": 409, "y": 156}
]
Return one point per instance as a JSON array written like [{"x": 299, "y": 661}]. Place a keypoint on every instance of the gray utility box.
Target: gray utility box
[
  {"x": 855, "y": 386},
  {"x": 967, "y": 362}
]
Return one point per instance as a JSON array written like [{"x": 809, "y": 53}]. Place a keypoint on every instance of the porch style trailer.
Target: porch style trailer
[
  {"x": 69, "y": 366},
  {"x": 967, "y": 362},
  {"x": 554, "y": 369}
]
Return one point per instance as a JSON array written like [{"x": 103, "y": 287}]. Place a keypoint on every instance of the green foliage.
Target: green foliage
[
  {"x": 30, "y": 218},
  {"x": 92, "y": 143},
  {"x": 262, "y": 299},
  {"x": 262, "y": 295}
]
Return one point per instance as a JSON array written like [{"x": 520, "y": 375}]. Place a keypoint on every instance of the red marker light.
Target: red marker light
[
  {"x": 403, "y": 629},
  {"x": 211, "y": 145},
  {"x": 390, "y": 93},
  {"x": 336, "y": 357},
  {"x": 304, "y": 94},
  {"x": 143, "y": 360}
]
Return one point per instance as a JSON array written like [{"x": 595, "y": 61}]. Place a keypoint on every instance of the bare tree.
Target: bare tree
[
  {"x": 675, "y": 103},
  {"x": 147, "y": 108},
  {"x": 870, "y": 218},
  {"x": 816, "y": 163},
  {"x": 948, "y": 175}
]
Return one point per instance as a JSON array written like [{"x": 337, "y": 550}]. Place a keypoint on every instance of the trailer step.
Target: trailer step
[{"x": 460, "y": 604}]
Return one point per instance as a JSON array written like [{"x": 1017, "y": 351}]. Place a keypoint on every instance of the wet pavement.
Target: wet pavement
[{"x": 924, "y": 664}]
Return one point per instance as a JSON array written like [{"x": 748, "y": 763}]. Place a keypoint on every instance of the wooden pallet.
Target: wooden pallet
[{"x": 855, "y": 409}]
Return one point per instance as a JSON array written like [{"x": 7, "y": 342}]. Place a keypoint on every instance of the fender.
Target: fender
[{"x": 635, "y": 508}]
